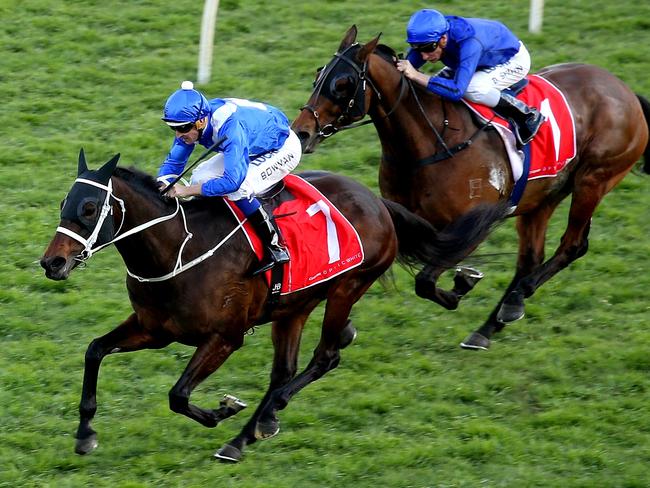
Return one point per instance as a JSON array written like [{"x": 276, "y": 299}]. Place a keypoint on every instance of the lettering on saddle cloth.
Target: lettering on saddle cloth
[
  {"x": 555, "y": 143},
  {"x": 321, "y": 241}
]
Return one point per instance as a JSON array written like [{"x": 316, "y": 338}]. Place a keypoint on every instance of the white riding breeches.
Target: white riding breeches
[
  {"x": 263, "y": 172},
  {"x": 486, "y": 84}
]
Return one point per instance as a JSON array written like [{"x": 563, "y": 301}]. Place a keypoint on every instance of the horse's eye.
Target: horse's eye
[
  {"x": 341, "y": 87},
  {"x": 88, "y": 210}
]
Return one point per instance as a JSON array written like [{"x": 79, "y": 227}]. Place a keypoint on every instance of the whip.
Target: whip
[{"x": 200, "y": 158}]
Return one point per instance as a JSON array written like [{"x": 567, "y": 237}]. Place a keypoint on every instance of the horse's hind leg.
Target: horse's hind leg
[
  {"x": 128, "y": 336},
  {"x": 587, "y": 194},
  {"x": 531, "y": 228},
  {"x": 286, "y": 336},
  {"x": 326, "y": 355},
  {"x": 573, "y": 245}
]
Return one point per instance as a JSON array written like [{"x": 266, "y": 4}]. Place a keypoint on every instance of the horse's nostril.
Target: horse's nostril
[
  {"x": 303, "y": 135},
  {"x": 53, "y": 264}
]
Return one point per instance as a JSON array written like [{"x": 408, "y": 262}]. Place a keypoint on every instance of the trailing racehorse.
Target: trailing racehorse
[
  {"x": 184, "y": 288},
  {"x": 440, "y": 161}
]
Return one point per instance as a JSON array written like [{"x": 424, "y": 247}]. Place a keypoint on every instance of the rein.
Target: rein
[
  {"x": 107, "y": 209},
  {"x": 359, "y": 93},
  {"x": 447, "y": 152},
  {"x": 330, "y": 129}
]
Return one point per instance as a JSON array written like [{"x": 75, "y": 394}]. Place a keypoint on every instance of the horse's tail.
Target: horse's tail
[
  {"x": 645, "y": 105},
  {"x": 421, "y": 243}
]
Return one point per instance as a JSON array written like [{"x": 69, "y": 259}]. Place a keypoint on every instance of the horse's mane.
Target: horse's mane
[
  {"x": 386, "y": 52},
  {"x": 142, "y": 183},
  {"x": 389, "y": 55},
  {"x": 139, "y": 179},
  {"x": 145, "y": 184}
]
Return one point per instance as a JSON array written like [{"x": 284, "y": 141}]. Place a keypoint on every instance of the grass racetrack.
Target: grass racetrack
[{"x": 560, "y": 400}]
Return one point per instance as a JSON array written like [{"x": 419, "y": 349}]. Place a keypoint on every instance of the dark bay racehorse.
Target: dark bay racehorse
[
  {"x": 439, "y": 162},
  {"x": 210, "y": 298}
]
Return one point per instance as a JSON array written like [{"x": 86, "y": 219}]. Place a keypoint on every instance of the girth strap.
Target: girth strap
[{"x": 450, "y": 152}]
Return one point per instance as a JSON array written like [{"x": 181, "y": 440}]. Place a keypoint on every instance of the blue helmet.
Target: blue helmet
[
  {"x": 426, "y": 25},
  {"x": 186, "y": 105}
]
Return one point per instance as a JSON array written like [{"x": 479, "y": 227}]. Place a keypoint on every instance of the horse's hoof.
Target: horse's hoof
[
  {"x": 348, "y": 335},
  {"x": 228, "y": 454},
  {"x": 87, "y": 445},
  {"x": 266, "y": 430},
  {"x": 512, "y": 308},
  {"x": 476, "y": 342}
]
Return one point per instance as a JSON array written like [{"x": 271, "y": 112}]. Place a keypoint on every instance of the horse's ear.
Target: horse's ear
[
  {"x": 82, "y": 167},
  {"x": 367, "y": 50},
  {"x": 106, "y": 171},
  {"x": 349, "y": 38}
]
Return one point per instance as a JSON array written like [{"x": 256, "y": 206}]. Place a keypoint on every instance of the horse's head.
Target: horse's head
[
  {"x": 341, "y": 93},
  {"x": 84, "y": 221}
]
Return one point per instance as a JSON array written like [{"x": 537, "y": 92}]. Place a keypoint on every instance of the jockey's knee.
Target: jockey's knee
[{"x": 489, "y": 97}]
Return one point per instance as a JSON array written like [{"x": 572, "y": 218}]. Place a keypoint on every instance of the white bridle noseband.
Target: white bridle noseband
[{"x": 107, "y": 209}]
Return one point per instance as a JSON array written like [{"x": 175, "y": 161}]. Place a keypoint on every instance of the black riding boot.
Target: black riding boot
[
  {"x": 526, "y": 120},
  {"x": 274, "y": 252}
]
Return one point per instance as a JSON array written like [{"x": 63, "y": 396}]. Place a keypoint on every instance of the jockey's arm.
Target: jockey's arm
[
  {"x": 235, "y": 154},
  {"x": 469, "y": 55},
  {"x": 176, "y": 159}
]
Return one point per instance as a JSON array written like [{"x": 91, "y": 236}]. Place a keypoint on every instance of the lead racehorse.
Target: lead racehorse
[
  {"x": 433, "y": 151},
  {"x": 190, "y": 280}
]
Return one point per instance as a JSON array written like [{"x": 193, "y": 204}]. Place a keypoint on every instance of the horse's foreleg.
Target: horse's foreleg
[
  {"x": 286, "y": 336},
  {"x": 326, "y": 355},
  {"x": 464, "y": 280},
  {"x": 207, "y": 358},
  {"x": 128, "y": 336}
]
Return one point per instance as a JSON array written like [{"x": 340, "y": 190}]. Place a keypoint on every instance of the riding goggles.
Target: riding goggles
[
  {"x": 427, "y": 47},
  {"x": 183, "y": 128}
]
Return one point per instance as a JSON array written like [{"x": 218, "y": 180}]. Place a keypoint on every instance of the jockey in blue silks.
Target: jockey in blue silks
[
  {"x": 482, "y": 58},
  {"x": 259, "y": 150}
]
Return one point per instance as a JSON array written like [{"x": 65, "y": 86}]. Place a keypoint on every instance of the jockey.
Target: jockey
[
  {"x": 482, "y": 58},
  {"x": 260, "y": 149}
]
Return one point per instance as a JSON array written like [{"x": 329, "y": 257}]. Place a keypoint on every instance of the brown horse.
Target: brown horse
[
  {"x": 434, "y": 151},
  {"x": 209, "y": 299}
]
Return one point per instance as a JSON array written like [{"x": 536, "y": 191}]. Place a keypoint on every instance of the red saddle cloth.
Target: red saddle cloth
[
  {"x": 555, "y": 143},
  {"x": 322, "y": 243}
]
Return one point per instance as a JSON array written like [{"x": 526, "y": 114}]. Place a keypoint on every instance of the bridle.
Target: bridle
[
  {"x": 358, "y": 101},
  {"x": 107, "y": 209},
  {"x": 355, "y": 106}
]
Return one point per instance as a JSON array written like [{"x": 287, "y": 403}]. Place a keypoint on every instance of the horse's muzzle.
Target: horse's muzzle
[
  {"x": 308, "y": 140},
  {"x": 57, "y": 267}
]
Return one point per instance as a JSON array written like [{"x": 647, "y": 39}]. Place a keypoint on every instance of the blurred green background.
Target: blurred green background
[{"x": 561, "y": 399}]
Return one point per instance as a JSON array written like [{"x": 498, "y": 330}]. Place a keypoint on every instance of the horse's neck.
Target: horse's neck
[
  {"x": 153, "y": 250},
  {"x": 414, "y": 114}
]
